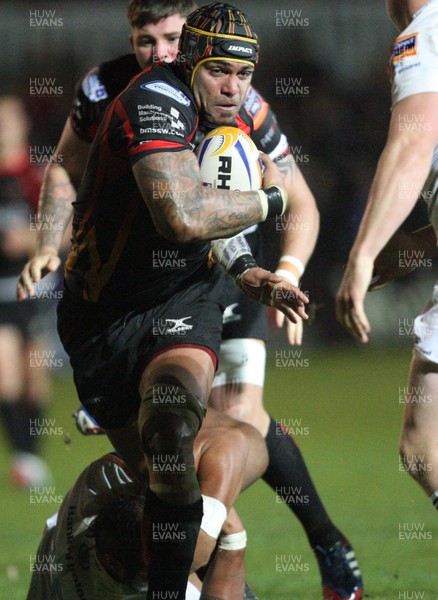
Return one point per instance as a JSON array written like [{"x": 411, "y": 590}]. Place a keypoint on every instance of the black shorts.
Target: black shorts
[
  {"x": 109, "y": 350},
  {"x": 244, "y": 318}
]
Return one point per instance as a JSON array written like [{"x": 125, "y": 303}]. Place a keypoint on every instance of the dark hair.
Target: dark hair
[
  {"x": 141, "y": 12},
  {"x": 117, "y": 531}
]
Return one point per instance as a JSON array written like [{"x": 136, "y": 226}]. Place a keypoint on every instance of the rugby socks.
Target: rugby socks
[
  {"x": 288, "y": 476},
  {"x": 169, "y": 534},
  {"x": 19, "y": 419}
]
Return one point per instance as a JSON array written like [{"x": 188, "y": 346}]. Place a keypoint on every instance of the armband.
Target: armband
[
  {"x": 241, "y": 265},
  {"x": 234, "y": 254},
  {"x": 273, "y": 200}
]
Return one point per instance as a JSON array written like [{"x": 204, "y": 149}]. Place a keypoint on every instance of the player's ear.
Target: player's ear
[{"x": 131, "y": 41}]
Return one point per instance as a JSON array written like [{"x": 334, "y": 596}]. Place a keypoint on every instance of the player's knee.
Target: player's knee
[
  {"x": 412, "y": 453},
  {"x": 165, "y": 433},
  {"x": 411, "y": 438},
  {"x": 418, "y": 451},
  {"x": 407, "y": 443},
  {"x": 242, "y": 440},
  {"x": 169, "y": 419},
  {"x": 237, "y": 437}
]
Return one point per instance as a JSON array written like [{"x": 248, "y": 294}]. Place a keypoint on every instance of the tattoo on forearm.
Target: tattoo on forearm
[
  {"x": 172, "y": 190},
  {"x": 54, "y": 212}
]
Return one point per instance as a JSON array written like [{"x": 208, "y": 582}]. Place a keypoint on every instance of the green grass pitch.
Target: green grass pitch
[{"x": 345, "y": 409}]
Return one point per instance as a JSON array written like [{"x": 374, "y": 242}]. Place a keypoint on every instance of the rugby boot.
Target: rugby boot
[{"x": 340, "y": 573}]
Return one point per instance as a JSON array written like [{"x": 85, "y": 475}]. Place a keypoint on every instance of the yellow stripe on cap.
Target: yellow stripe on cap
[{"x": 221, "y": 35}]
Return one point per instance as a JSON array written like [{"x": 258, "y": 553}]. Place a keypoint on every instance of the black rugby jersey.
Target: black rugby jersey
[
  {"x": 112, "y": 259},
  {"x": 117, "y": 256}
]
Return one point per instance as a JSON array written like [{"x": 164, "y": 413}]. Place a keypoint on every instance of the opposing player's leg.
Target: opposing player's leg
[
  {"x": 231, "y": 455},
  {"x": 238, "y": 390},
  {"x": 419, "y": 436},
  {"x": 22, "y": 391},
  {"x": 11, "y": 387},
  {"x": 234, "y": 451},
  {"x": 225, "y": 577}
]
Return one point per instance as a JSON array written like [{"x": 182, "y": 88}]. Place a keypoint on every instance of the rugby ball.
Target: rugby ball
[{"x": 229, "y": 159}]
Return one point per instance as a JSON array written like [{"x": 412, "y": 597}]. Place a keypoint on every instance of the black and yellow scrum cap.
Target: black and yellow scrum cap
[{"x": 217, "y": 31}]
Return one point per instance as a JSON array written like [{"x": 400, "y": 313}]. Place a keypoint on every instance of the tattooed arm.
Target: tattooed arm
[
  {"x": 183, "y": 210},
  {"x": 61, "y": 179}
]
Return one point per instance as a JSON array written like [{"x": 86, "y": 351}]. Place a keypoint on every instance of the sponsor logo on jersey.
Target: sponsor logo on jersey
[
  {"x": 161, "y": 87},
  {"x": 404, "y": 47},
  {"x": 229, "y": 315},
  {"x": 144, "y": 107},
  {"x": 177, "y": 325},
  {"x": 93, "y": 88},
  {"x": 161, "y": 130}
]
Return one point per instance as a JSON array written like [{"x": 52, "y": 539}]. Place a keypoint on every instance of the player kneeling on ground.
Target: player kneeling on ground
[{"x": 92, "y": 548}]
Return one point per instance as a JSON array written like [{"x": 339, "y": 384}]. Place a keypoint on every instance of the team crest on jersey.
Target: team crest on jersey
[
  {"x": 93, "y": 88},
  {"x": 161, "y": 87},
  {"x": 404, "y": 47}
]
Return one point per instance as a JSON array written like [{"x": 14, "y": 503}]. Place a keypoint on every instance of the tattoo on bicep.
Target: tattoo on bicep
[{"x": 165, "y": 180}]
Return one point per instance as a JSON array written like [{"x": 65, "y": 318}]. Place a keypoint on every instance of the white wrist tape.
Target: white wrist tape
[
  {"x": 264, "y": 204},
  {"x": 214, "y": 516},
  {"x": 293, "y": 260},
  {"x": 233, "y": 541},
  {"x": 288, "y": 276},
  {"x": 227, "y": 250}
]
